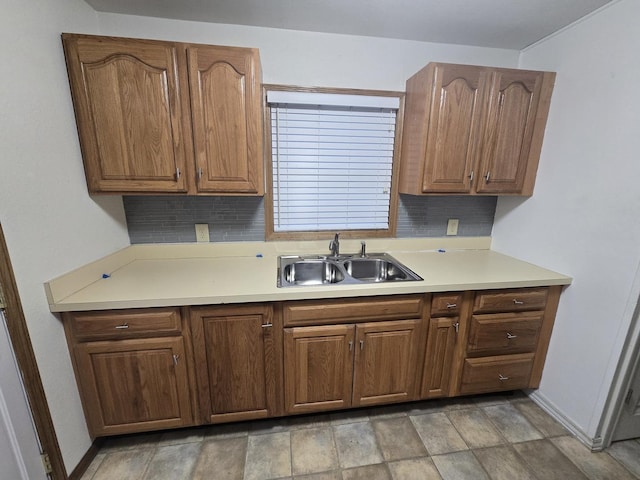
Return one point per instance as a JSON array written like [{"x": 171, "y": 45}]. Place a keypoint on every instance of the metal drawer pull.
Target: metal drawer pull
[
  {"x": 175, "y": 359},
  {"x": 361, "y": 344},
  {"x": 350, "y": 346},
  {"x": 501, "y": 378},
  {"x": 456, "y": 326},
  {"x": 510, "y": 336},
  {"x": 452, "y": 305},
  {"x": 487, "y": 176},
  {"x": 267, "y": 325},
  {"x": 122, "y": 327},
  {"x": 518, "y": 302}
]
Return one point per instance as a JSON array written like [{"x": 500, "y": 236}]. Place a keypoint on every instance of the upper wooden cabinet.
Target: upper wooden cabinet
[
  {"x": 163, "y": 117},
  {"x": 470, "y": 129}
]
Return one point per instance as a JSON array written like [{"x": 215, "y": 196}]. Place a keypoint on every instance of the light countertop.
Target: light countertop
[{"x": 201, "y": 274}]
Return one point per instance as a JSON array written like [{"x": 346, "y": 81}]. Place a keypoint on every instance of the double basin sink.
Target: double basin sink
[{"x": 294, "y": 270}]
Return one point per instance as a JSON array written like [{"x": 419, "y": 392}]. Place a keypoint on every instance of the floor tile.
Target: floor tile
[
  {"x": 225, "y": 457},
  {"x": 370, "y": 472},
  {"x": 183, "y": 435},
  {"x": 309, "y": 421},
  {"x": 438, "y": 434},
  {"x": 491, "y": 399},
  {"x": 349, "y": 416},
  {"x": 313, "y": 450},
  {"x": 547, "y": 461},
  {"x": 131, "y": 442},
  {"x": 173, "y": 462},
  {"x": 93, "y": 466},
  {"x": 511, "y": 423},
  {"x": 129, "y": 464},
  {"x": 388, "y": 411},
  {"x": 320, "y": 476},
  {"x": 271, "y": 425},
  {"x": 449, "y": 404},
  {"x": 595, "y": 465},
  {"x": 540, "y": 419},
  {"x": 398, "y": 438},
  {"x": 502, "y": 463},
  {"x": 475, "y": 428},
  {"x": 268, "y": 456},
  {"x": 225, "y": 430},
  {"x": 426, "y": 406},
  {"x": 356, "y": 445},
  {"x": 459, "y": 466},
  {"x": 627, "y": 453},
  {"x": 414, "y": 469}
]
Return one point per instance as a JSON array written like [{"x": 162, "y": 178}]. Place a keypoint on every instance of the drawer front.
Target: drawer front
[
  {"x": 511, "y": 300},
  {"x": 361, "y": 309},
  {"x": 502, "y": 333},
  {"x": 446, "y": 304},
  {"x": 492, "y": 374},
  {"x": 116, "y": 324}
]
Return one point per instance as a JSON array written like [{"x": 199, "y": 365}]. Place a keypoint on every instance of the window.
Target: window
[{"x": 332, "y": 162}]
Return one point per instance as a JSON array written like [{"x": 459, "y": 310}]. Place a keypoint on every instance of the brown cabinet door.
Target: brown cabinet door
[
  {"x": 126, "y": 96},
  {"x": 227, "y": 120},
  {"x": 318, "y": 368},
  {"x": 235, "y": 363},
  {"x": 386, "y": 362},
  {"x": 134, "y": 385},
  {"x": 511, "y": 117},
  {"x": 441, "y": 341}
]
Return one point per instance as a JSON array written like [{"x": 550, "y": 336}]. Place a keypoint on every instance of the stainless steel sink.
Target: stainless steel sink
[{"x": 294, "y": 270}]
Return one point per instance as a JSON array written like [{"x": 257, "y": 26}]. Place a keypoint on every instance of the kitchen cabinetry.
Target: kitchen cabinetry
[
  {"x": 132, "y": 369},
  {"x": 339, "y": 366},
  {"x": 236, "y": 350},
  {"x": 507, "y": 339},
  {"x": 471, "y": 129},
  {"x": 164, "y": 117}
]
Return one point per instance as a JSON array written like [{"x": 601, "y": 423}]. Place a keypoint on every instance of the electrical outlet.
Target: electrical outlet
[
  {"x": 202, "y": 232},
  {"x": 452, "y": 226}
]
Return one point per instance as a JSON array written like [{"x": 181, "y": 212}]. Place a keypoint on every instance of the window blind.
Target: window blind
[{"x": 332, "y": 165}]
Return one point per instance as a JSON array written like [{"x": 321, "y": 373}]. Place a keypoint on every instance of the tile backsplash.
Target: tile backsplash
[{"x": 169, "y": 219}]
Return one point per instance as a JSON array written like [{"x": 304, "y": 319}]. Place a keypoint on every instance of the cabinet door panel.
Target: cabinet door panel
[
  {"x": 126, "y": 97},
  {"x": 441, "y": 340},
  {"x": 386, "y": 362},
  {"x": 234, "y": 354},
  {"x": 511, "y": 117},
  {"x": 134, "y": 385},
  {"x": 318, "y": 367},
  {"x": 454, "y": 123},
  {"x": 227, "y": 120}
]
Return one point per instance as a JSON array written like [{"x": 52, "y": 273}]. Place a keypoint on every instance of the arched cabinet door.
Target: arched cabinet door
[
  {"x": 126, "y": 95},
  {"x": 227, "y": 119}
]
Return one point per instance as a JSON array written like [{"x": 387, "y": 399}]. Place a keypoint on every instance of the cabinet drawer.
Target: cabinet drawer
[
  {"x": 501, "y": 333},
  {"x": 446, "y": 304},
  {"x": 511, "y": 300},
  {"x": 124, "y": 323},
  {"x": 492, "y": 374},
  {"x": 353, "y": 310}
]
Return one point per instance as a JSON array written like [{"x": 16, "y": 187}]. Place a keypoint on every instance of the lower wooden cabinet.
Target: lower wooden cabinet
[
  {"x": 332, "y": 367},
  {"x": 236, "y": 362},
  {"x": 129, "y": 384},
  {"x": 441, "y": 341}
]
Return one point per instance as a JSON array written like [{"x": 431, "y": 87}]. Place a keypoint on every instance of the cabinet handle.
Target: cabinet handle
[
  {"x": 510, "y": 336},
  {"x": 487, "y": 176},
  {"x": 361, "y": 344},
  {"x": 122, "y": 327},
  {"x": 517, "y": 302},
  {"x": 175, "y": 359},
  {"x": 452, "y": 305},
  {"x": 456, "y": 326},
  {"x": 471, "y": 176},
  {"x": 177, "y": 174},
  {"x": 267, "y": 325},
  {"x": 350, "y": 346},
  {"x": 199, "y": 172},
  {"x": 502, "y": 378}
]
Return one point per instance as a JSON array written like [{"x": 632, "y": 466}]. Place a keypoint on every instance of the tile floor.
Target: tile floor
[{"x": 497, "y": 437}]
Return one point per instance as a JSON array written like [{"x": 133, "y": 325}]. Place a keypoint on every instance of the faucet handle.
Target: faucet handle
[{"x": 363, "y": 248}]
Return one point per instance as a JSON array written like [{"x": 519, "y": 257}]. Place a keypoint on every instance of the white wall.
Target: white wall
[
  {"x": 583, "y": 219},
  {"x": 314, "y": 59},
  {"x": 50, "y": 223}
]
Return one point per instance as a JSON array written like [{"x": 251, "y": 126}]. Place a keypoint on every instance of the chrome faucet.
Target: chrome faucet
[
  {"x": 334, "y": 245},
  {"x": 363, "y": 249}
]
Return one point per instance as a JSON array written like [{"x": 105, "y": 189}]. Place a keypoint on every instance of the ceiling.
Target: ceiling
[{"x": 511, "y": 24}]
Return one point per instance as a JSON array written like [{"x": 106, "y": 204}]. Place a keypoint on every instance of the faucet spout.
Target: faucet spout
[{"x": 334, "y": 245}]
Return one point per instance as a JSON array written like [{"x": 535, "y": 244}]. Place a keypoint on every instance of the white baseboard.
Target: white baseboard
[{"x": 595, "y": 444}]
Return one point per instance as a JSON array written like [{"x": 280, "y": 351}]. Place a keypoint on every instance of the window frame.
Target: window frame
[{"x": 390, "y": 232}]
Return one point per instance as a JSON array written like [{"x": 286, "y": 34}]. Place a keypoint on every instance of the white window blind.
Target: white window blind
[{"x": 332, "y": 162}]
